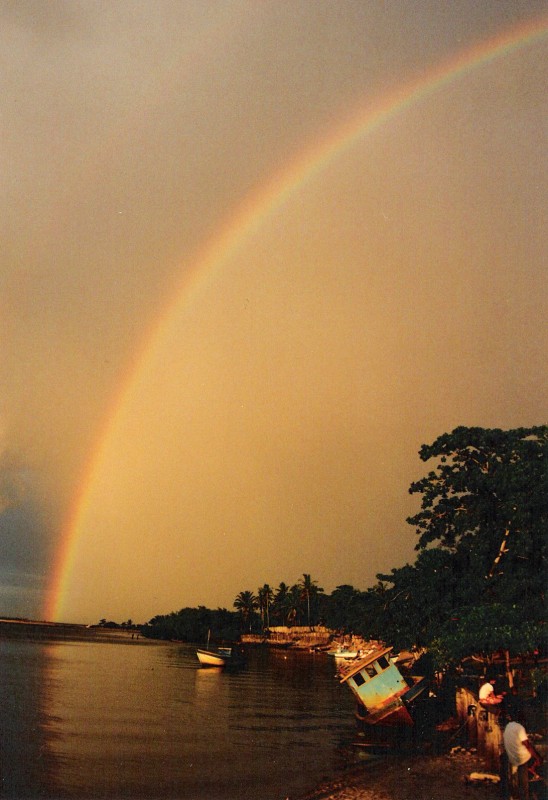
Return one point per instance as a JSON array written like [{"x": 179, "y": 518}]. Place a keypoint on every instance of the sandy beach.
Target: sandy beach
[{"x": 418, "y": 778}]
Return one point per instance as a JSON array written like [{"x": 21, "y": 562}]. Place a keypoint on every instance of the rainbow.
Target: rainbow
[{"x": 247, "y": 219}]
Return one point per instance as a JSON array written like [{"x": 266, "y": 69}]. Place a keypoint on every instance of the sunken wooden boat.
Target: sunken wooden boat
[{"x": 384, "y": 695}]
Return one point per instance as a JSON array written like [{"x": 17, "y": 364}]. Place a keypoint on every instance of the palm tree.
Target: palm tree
[
  {"x": 293, "y": 604},
  {"x": 279, "y": 604},
  {"x": 308, "y": 589},
  {"x": 246, "y": 603},
  {"x": 265, "y": 596}
]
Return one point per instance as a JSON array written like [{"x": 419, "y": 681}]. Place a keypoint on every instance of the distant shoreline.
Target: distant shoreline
[{"x": 65, "y": 631}]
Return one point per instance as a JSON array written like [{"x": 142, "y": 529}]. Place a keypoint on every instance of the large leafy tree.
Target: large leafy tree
[
  {"x": 421, "y": 599},
  {"x": 341, "y": 607},
  {"x": 484, "y": 505},
  {"x": 486, "y": 501}
]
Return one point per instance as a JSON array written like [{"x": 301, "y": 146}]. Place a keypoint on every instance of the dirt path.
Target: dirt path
[{"x": 419, "y": 778}]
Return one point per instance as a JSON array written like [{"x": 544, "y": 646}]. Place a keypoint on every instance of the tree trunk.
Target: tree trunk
[{"x": 509, "y": 673}]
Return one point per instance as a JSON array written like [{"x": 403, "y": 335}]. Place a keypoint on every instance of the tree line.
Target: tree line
[{"x": 478, "y": 583}]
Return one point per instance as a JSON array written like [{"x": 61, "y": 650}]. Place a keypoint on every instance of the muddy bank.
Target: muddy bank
[{"x": 413, "y": 778}]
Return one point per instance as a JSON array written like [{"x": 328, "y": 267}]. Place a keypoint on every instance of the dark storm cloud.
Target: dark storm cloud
[{"x": 24, "y": 542}]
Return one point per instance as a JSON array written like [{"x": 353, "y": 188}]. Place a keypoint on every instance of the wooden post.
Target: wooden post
[
  {"x": 493, "y": 741},
  {"x": 509, "y": 673},
  {"x": 482, "y": 728},
  {"x": 467, "y": 712}
]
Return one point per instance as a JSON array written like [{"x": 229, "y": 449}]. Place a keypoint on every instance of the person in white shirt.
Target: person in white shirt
[
  {"x": 486, "y": 690},
  {"x": 521, "y": 755},
  {"x": 487, "y": 694}
]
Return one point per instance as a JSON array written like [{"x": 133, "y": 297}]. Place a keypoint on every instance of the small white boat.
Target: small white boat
[
  {"x": 343, "y": 653},
  {"x": 214, "y": 658},
  {"x": 211, "y": 656}
]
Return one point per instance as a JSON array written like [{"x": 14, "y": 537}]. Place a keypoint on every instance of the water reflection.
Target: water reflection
[
  {"x": 131, "y": 721},
  {"x": 27, "y": 764}
]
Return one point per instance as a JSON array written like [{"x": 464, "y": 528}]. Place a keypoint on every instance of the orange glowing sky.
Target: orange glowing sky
[{"x": 209, "y": 382}]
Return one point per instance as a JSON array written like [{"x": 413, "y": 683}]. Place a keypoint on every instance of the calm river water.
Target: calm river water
[{"x": 109, "y": 720}]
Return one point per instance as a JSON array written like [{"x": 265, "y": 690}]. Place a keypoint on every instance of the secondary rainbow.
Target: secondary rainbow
[{"x": 247, "y": 219}]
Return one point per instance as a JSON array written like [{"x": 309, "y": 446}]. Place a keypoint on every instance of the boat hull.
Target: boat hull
[
  {"x": 383, "y": 693},
  {"x": 393, "y": 712},
  {"x": 343, "y": 655},
  {"x": 208, "y": 658}
]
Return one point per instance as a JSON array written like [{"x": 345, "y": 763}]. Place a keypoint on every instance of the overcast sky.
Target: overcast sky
[{"x": 274, "y": 426}]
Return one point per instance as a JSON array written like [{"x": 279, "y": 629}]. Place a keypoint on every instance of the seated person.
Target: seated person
[{"x": 487, "y": 696}]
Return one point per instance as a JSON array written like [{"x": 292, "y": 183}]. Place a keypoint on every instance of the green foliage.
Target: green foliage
[
  {"x": 344, "y": 608},
  {"x": 193, "y": 625},
  {"x": 280, "y": 604},
  {"x": 246, "y": 603},
  {"x": 483, "y": 631},
  {"x": 420, "y": 599},
  {"x": 486, "y": 502}
]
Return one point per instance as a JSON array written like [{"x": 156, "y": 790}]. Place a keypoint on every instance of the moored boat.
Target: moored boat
[
  {"x": 217, "y": 657},
  {"x": 347, "y": 650},
  {"x": 383, "y": 693},
  {"x": 214, "y": 656},
  {"x": 343, "y": 653}
]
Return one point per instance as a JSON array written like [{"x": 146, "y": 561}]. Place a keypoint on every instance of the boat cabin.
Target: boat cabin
[{"x": 381, "y": 690}]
